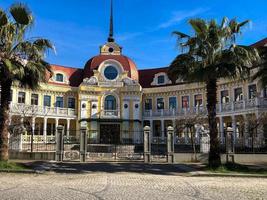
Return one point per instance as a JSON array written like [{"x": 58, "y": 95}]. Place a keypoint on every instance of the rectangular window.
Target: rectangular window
[
  {"x": 198, "y": 100},
  {"x": 160, "y": 103},
  {"x": 172, "y": 103},
  {"x": 238, "y": 94},
  {"x": 252, "y": 91},
  {"x": 161, "y": 79},
  {"x": 148, "y": 104},
  {"x": 225, "y": 96},
  {"x": 59, "y": 102},
  {"x": 185, "y": 101},
  {"x": 47, "y": 100},
  {"x": 21, "y": 97},
  {"x": 34, "y": 99},
  {"x": 71, "y": 103}
]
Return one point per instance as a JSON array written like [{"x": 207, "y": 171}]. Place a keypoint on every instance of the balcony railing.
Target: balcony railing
[
  {"x": 109, "y": 113},
  {"x": 202, "y": 110},
  {"x": 33, "y": 110}
]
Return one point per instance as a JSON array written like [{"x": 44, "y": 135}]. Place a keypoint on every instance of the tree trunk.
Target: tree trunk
[
  {"x": 4, "y": 119},
  {"x": 214, "y": 154}
]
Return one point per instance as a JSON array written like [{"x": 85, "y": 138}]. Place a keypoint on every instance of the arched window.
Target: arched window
[
  {"x": 59, "y": 77},
  {"x": 110, "y": 103}
]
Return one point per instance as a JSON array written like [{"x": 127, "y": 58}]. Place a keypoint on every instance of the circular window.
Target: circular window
[
  {"x": 94, "y": 106},
  {"x": 125, "y": 106},
  {"x": 136, "y": 106},
  {"x": 110, "y": 72},
  {"x": 110, "y": 49},
  {"x": 83, "y": 105}
]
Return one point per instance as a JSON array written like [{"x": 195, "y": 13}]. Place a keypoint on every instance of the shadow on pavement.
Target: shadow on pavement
[{"x": 111, "y": 167}]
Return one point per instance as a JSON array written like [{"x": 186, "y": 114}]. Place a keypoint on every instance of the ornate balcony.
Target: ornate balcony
[
  {"x": 109, "y": 113},
  {"x": 34, "y": 111},
  {"x": 239, "y": 106}
]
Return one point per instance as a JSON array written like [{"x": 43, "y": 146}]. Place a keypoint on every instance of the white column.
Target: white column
[
  {"x": 221, "y": 128},
  {"x": 10, "y": 119},
  {"x": 174, "y": 124},
  {"x": 151, "y": 127},
  {"x": 246, "y": 133},
  {"x": 174, "y": 127},
  {"x": 259, "y": 128},
  {"x": 234, "y": 127},
  {"x": 162, "y": 129},
  {"x": 33, "y": 125},
  {"x": 68, "y": 128},
  {"x": 56, "y": 125},
  {"x": 45, "y": 129}
]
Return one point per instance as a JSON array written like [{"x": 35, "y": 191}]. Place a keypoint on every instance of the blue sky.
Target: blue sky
[{"x": 142, "y": 27}]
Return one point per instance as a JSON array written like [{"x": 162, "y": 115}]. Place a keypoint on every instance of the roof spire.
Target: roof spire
[{"x": 110, "y": 38}]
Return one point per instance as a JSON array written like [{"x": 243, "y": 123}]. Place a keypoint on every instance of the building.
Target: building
[{"x": 114, "y": 101}]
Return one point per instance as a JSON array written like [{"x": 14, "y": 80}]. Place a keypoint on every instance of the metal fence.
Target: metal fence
[{"x": 246, "y": 145}]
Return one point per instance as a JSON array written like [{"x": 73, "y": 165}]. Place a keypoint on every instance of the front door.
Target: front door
[{"x": 109, "y": 133}]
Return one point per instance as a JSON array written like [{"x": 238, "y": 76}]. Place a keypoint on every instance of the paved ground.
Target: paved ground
[{"x": 126, "y": 181}]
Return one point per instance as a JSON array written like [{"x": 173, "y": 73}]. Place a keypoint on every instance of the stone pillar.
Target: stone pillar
[
  {"x": 83, "y": 144},
  {"x": 170, "y": 144},
  {"x": 59, "y": 143},
  {"x": 147, "y": 144},
  {"x": 162, "y": 129},
  {"x": 221, "y": 129},
  {"x": 230, "y": 145},
  {"x": 68, "y": 128},
  {"x": 234, "y": 128},
  {"x": 45, "y": 130}
]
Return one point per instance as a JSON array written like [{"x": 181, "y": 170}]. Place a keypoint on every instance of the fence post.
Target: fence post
[
  {"x": 170, "y": 144},
  {"x": 59, "y": 143},
  {"x": 230, "y": 148},
  {"x": 147, "y": 145},
  {"x": 83, "y": 144}
]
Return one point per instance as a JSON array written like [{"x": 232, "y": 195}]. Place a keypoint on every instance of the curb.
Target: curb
[
  {"x": 29, "y": 171},
  {"x": 227, "y": 175}
]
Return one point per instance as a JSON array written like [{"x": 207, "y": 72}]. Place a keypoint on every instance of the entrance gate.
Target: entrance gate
[
  {"x": 84, "y": 149},
  {"x": 112, "y": 148}
]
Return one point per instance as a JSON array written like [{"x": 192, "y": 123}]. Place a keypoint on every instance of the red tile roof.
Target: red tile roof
[
  {"x": 75, "y": 75},
  {"x": 260, "y": 43},
  {"x": 126, "y": 62},
  {"x": 144, "y": 76}
]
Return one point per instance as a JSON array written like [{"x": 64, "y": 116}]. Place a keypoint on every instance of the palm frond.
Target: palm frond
[
  {"x": 3, "y": 18},
  {"x": 21, "y": 14}
]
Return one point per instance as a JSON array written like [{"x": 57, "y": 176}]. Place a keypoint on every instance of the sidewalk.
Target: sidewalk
[{"x": 181, "y": 169}]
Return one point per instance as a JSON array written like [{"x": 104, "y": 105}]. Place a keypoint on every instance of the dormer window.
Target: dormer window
[
  {"x": 59, "y": 77},
  {"x": 161, "y": 79}
]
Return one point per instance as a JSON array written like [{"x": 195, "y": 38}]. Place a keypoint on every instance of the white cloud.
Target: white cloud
[
  {"x": 179, "y": 16},
  {"x": 128, "y": 36}
]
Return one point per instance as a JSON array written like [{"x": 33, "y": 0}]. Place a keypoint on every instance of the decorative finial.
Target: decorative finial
[{"x": 110, "y": 38}]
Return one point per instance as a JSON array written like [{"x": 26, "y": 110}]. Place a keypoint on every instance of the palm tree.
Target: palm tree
[
  {"x": 21, "y": 61},
  {"x": 208, "y": 55},
  {"x": 262, "y": 67}
]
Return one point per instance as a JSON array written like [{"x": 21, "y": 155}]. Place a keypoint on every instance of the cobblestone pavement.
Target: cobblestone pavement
[{"x": 127, "y": 185}]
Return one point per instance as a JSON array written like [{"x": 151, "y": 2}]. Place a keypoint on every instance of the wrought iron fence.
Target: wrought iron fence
[{"x": 246, "y": 145}]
